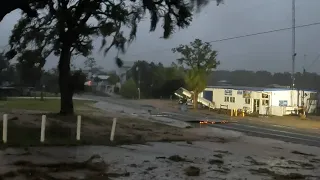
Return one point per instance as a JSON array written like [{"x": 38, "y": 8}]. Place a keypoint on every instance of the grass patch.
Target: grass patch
[
  {"x": 24, "y": 135},
  {"x": 45, "y": 94},
  {"x": 51, "y": 105},
  {"x": 24, "y": 130}
]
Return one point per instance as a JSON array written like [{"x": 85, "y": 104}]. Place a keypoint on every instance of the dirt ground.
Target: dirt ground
[{"x": 312, "y": 122}]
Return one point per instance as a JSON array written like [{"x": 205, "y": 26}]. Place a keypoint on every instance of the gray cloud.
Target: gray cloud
[{"x": 270, "y": 52}]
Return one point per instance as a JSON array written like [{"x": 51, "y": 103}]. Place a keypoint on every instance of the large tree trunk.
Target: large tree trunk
[
  {"x": 65, "y": 84},
  {"x": 195, "y": 100}
]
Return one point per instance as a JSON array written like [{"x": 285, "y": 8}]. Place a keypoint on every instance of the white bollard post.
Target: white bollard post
[
  {"x": 5, "y": 128},
  {"x": 113, "y": 129},
  {"x": 43, "y": 128},
  {"x": 78, "y": 127}
]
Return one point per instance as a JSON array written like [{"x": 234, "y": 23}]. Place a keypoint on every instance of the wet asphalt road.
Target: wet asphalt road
[
  {"x": 282, "y": 133},
  {"x": 286, "y": 134}
]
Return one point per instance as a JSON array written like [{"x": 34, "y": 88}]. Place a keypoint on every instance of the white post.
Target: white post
[
  {"x": 5, "y": 128},
  {"x": 113, "y": 129},
  {"x": 43, "y": 128},
  {"x": 78, "y": 127}
]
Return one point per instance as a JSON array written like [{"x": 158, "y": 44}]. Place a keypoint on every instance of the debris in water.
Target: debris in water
[
  {"x": 177, "y": 158},
  {"x": 192, "y": 171},
  {"x": 301, "y": 153}
]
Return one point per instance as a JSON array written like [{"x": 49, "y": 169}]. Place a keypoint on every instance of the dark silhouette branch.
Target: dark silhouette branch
[{"x": 12, "y": 5}]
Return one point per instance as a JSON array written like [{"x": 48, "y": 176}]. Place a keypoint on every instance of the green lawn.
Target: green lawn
[
  {"x": 45, "y": 94},
  {"x": 52, "y": 105}
]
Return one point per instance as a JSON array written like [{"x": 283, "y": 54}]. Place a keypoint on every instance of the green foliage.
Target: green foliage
[
  {"x": 65, "y": 22},
  {"x": 197, "y": 55},
  {"x": 7, "y": 71},
  {"x": 129, "y": 89},
  {"x": 50, "y": 80},
  {"x": 78, "y": 80},
  {"x": 63, "y": 28},
  {"x": 113, "y": 78},
  {"x": 29, "y": 67},
  {"x": 10, "y": 6},
  {"x": 196, "y": 80},
  {"x": 199, "y": 59},
  {"x": 116, "y": 90},
  {"x": 119, "y": 62},
  {"x": 90, "y": 63},
  {"x": 156, "y": 80}
]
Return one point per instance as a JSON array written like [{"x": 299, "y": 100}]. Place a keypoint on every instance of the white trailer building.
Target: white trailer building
[{"x": 264, "y": 101}]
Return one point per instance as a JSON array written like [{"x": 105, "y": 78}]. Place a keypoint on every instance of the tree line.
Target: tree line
[
  {"x": 26, "y": 73},
  {"x": 157, "y": 81},
  {"x": 153, "y": 80},
  {"x": 303, "y": 80}
]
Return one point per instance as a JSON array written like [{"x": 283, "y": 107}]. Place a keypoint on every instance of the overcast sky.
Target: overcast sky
[{"x": 270, "y": 52}]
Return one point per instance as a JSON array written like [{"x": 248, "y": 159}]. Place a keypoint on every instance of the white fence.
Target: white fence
[{"x": 43, "y": 128}]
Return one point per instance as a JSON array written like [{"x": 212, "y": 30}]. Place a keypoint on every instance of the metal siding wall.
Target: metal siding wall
[{"x": 280, "y": 95}]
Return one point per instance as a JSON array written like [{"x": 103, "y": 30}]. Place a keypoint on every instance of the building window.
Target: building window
[
  {"x": 232, "y": 99},
  {"x": 265, "y": 102},
  {"x": 226, "y": 99},
  {"x": 247, "y": 100},
  {"x": 264, "y": 95}
]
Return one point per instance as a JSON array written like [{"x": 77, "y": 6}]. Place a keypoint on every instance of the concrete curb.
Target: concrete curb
[
  {"x": 216, "y": 122},
  {"x": 27, "y": 97}
]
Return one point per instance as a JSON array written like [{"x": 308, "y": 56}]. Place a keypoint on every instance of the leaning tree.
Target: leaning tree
[{"x": 68, "y": 27}]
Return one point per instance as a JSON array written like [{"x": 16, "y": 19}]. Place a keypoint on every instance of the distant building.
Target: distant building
[
  {"x": 100, "y": 83},
  {"x": 261, "y": 100}
]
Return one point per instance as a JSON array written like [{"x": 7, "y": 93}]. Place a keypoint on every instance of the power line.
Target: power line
[
  {"x": 238, "y": 37},
  {"x": 313, "y": 62}
]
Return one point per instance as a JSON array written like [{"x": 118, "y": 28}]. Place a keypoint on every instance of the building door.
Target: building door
[{"x": 256, "y": 105}]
